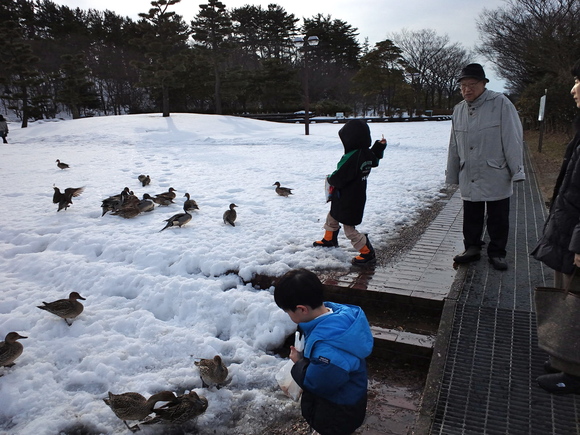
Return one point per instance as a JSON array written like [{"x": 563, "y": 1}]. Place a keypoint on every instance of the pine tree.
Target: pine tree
[
  {"x": 212, "y": 28},
  {"x": 163, "y": 38}
]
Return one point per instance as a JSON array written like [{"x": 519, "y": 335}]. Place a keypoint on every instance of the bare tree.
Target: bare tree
[
  {"x": 422, "y": 51},
  {"x": 529, "y": 39}
]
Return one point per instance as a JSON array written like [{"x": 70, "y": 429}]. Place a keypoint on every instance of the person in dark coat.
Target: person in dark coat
[
  {"x": 559, "y": 248},
  {"x": 331, "y": 370},
  {"x": 348, "y": 184},
  {"x": 3, "y": 129}
]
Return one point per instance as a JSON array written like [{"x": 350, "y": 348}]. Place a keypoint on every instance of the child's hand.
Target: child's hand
[
  {"x": 295, "y": 356},
  {"x": 383, "y": 140}
]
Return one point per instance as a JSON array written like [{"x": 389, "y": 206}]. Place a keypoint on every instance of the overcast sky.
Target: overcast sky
[{"x": 374, "y": 19}]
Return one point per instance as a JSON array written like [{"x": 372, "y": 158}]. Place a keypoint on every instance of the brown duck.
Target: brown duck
[
  {"x": 182, "y": 409},
  {"x": 144, "y": 179},
  {"x": 159, "y": 200},
  {"x": 61, "y": 165},
  {"x": 10, "y": 349},
  {"x": 133, "y": 406},
  {"x": 282, "y": 191},
  {"x": 64, "y": 199},
  {"x": 65, "y": 308},
  {"x": 170, "y": 194},
  {"x": 129, "y": 209},
  {"x": 189, "y": 204},
  {"x": 114, "y": 202},
  {"x": 212, "y": 371},
  {"x": 230, "y": 215}
]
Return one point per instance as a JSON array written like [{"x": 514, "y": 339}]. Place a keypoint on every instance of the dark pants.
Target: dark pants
[
  {"x": 498, "y": 225},
  {"x": 3, "y": 135}
]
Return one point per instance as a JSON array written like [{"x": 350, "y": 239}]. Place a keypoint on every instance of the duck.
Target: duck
[
  {"x": 177, "y": 220},
  {"x": 282, "y": 191},
  {"x": 146, "y": 204},
  {"x": 189, "y": 204},
  {"x": 64, "y": 200},
  {"x": 61, "y": 165},
  {"x": 65, "y": 308},
  {"x": 133, "y": 406},
  {"x": 184, "y": 408},
  {"x": 114, "y": 202},
  {"x": 10, "y": 349},
  {"x": 128, "y": 210},
  {"x": 230, "y": 215},
  {"x": 159, "y": 200},
  {"x": 212, "y": 371},
  {"x": 170, "y": 194},
  {"x": 144, "y": 179}
]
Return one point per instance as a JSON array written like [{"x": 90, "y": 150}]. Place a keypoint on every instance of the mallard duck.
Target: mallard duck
[
  {"x": 65, "y": 199},
  {"x": 170, "y": 194},
  {"x": 61, "y": 165},
  {"x": 189, "y": 204},
  {"x": 10, "y": 349},
  {"x": 177, "y": 220},
  {"x": 65, "y": 308},
  {"x": 212, "y": 371},
  {"x": 144, "y": 179},
  {"x": 133, "y": 406},
  {"x": 184, "y": 408},
  {"x": 230, "y": 215},
  {"x": 282, "y": 191}
]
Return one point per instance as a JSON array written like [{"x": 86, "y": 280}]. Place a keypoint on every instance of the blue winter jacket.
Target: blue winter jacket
[{"x": 336, "y": 346}]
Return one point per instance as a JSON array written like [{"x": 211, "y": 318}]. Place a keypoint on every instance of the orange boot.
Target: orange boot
[
  {"x": 367, "y": 254},
  {"x": 330, "y": 239}
]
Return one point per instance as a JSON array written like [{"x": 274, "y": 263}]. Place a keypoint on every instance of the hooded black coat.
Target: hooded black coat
[
  {"x": 561, "y": 237},
  {"x": 350, "y": 178}
]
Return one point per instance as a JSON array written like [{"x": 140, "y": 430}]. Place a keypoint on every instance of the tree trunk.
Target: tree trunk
[
  {"x": 217, "y": 94},
  {"x": 25, "y": 108},
  {"x": 165, "y": 91}
]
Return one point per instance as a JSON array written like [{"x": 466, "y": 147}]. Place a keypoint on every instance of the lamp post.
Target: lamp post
[{"x": 304, "y": 44}]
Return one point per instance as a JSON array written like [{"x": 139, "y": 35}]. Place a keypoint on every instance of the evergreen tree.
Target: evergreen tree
[
  {"x": 19, "y": 74},
  {"x": 163, "y": 37},
  {"x": 77, "y": 90},
  {"x": 212, "y": 28},
  {"x": 381, "y": 75}
]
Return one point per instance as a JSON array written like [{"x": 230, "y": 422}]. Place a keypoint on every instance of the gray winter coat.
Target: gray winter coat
[{"x": 485, "y": 148}]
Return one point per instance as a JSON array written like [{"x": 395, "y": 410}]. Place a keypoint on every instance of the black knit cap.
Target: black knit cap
[{"x": 473, "y": 71}]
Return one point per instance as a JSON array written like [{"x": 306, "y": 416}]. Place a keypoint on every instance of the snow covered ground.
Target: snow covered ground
[{"x": 155, "y": 300}]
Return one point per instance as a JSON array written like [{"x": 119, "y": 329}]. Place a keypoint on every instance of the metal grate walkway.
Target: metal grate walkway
[{"x": 486, "y": 359}]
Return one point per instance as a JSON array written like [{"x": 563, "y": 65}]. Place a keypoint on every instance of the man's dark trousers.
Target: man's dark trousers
[{"x": 498, "y": 225}]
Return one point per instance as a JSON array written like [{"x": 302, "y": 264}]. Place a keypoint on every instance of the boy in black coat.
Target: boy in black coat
[{"x": 349, "y": 187}]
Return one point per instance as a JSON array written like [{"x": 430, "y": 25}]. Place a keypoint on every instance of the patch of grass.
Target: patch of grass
[{"x": 547, "y": 163}]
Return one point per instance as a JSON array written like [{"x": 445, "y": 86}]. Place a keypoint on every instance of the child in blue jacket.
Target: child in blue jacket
[
  {"x": 332, "y": 369},
  {"x": 349, "y": 184}
]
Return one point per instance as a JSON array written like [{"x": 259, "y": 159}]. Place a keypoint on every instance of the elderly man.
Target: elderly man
[{"x": 485, "y": 158}]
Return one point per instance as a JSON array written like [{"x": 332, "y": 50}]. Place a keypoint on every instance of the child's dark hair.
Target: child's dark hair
[
  {"x": 298, "y": 287},
  {"x": 576, "y": 69}
]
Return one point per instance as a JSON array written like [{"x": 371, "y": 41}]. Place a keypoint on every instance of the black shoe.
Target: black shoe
[
  {"x": 559, "y": 383},
  {"x": 368, "y": 258},
  {"x": 498, "y": 263},
  {"x": 473, "y": 253},
  {"x": 549, "y": 368},
  {"x": 333, "y": 243}
]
